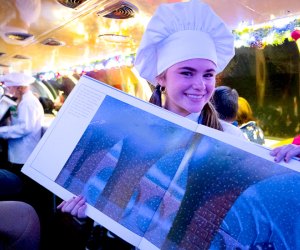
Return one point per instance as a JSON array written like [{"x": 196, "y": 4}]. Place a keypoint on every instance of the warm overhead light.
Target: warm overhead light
[
  {"x": 21, "y": 57},
  {"x": 71, "y": 3},
  {"x": 114, "y": 38},
  {"x": 4, "y": 65},
  {"x": 52, "y": 42},
  {"x": 19, "y": 36},
  {"x": 120, "y": 10}
]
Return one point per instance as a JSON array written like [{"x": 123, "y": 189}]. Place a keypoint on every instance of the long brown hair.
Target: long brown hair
[{"x": 210, "y": 115}]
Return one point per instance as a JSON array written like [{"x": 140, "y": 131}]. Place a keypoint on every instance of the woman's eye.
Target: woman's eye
[
  {"x": 187, "y": 73},
  {"x": 209, "y": 75}
]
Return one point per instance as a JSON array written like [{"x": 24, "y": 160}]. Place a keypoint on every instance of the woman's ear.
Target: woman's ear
[
  {"x": 157, "y": 80},
  {"x": 160, "y": 81}
]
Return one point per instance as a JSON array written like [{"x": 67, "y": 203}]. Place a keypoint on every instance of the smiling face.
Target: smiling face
[{"x": 189, "y": 85}]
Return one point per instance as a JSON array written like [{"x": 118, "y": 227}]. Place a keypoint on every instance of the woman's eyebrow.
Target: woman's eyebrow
[
  {"x": 210, "y": 70},
  {"x": 193, "y": 69},
  {"x": 188, "y": 68}
]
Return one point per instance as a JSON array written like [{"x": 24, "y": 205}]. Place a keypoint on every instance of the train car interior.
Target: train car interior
[{"x": 58, "y": 41}]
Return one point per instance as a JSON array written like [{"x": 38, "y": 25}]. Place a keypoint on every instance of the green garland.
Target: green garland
[{"x": 265, "y": 34}]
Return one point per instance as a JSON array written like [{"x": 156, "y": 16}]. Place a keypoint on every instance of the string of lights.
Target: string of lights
[{"x": 273, "y": 32}]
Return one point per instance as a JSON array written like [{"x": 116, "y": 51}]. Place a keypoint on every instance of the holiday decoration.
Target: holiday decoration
[
  {"x": 295, "y": 34},
  {"x": 274, "y": 32}
]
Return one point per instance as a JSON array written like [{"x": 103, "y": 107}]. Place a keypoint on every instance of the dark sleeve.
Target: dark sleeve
[{"x": 10, "y": 183}]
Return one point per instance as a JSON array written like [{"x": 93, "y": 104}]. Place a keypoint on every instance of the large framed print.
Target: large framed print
[{"x": 162, "y": 181}]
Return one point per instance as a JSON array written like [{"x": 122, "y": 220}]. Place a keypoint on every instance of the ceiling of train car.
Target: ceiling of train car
[{"x": 42, "y": 35}]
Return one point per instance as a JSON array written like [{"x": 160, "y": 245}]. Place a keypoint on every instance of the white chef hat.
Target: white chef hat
[
  {"x": 17, "y": 79},
  {"x": 182, "y": 31}
]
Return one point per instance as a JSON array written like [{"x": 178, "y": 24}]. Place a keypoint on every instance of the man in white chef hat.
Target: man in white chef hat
[{"x": 25, "y": 128}]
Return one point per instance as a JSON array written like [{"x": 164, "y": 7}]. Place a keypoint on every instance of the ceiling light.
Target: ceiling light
[
  {"x": 120, "y": 10},
  {"x": 21, "y": 57},
  {"x": 52, "y": 42},
  {"x": 71, "y": 3},
  {"x": 19, "y": 36},
  {"x": 114, "y": 38}
]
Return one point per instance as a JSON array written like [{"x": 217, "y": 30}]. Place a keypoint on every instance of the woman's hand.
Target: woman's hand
[
  {"x": 286, "y": 152},
  {"x": 75, "y": 206}
]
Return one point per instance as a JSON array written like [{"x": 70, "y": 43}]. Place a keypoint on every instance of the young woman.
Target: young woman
[
  {"x": 182, "y": 50},
  {"x": 171, "y": 58}
]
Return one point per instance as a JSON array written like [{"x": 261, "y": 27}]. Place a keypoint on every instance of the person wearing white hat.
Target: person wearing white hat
[
  {"x": 25, "y": 128},
  {"x": 23, "y": 134},
  {"x": 182, "y": 50}
]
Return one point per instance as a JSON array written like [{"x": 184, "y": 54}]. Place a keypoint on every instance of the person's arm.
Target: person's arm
[
  {"x": 286, "y": 152},
  {"x": 76, "y": 206},
  {"x": 24, "y": 125}
]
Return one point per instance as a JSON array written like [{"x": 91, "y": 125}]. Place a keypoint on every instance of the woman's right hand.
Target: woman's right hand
[{"x": 76, "y": 206}]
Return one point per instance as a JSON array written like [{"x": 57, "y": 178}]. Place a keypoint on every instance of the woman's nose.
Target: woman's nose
[{"x": 199, "y": 83}]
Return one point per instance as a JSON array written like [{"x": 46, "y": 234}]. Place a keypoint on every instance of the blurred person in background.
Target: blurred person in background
[
  {"x": 19, "y": 222},
  {"x": 296, "y": 140},
  {"x": 225, "y": 101},
  {"x": 19, "y": 227},
  {"x": 25, "y": 127},
  {"x": 248, "y": 124},
  {"x": 23, "y": 133}
]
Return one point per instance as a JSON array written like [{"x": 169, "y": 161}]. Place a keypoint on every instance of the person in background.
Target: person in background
[
  {"x": 10, "y": 185},
  {"x": 247, "y": 122},
  {"x": 19, "y": 222},
  {"x": 19, "y": 227},
  {"x": 225, "y": 101},
  {"x": 23, "y": 133},
  {"x": 25, "y": 128},
  {"x": 296, "y": 140}
]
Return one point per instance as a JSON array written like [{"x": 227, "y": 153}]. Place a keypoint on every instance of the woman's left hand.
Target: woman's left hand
[{"x": 286, "y": 152}]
